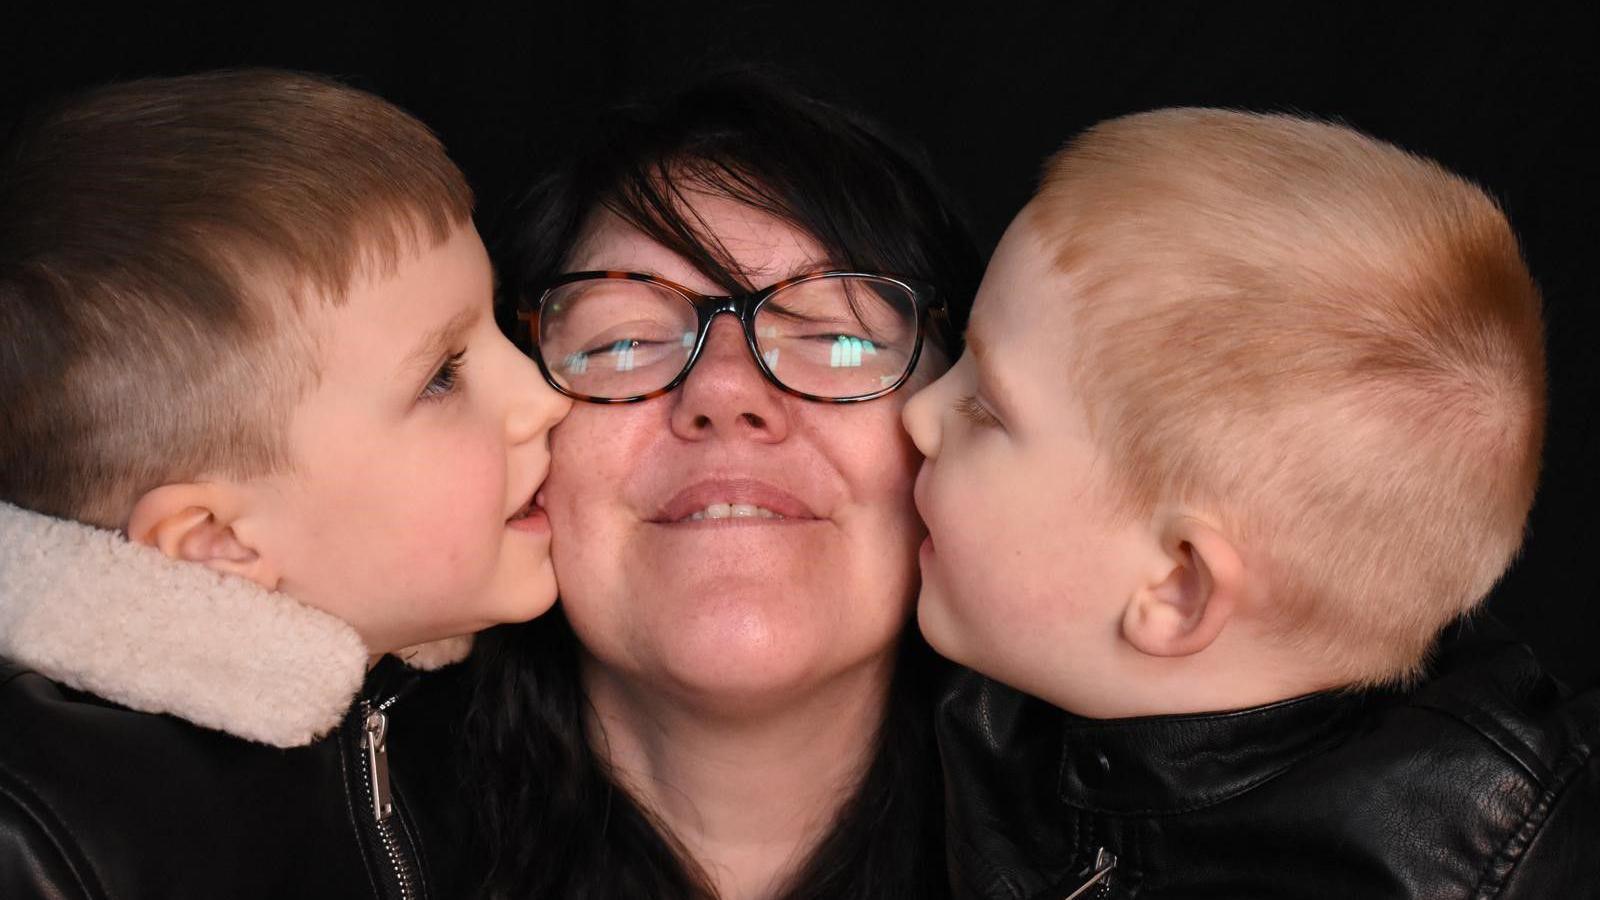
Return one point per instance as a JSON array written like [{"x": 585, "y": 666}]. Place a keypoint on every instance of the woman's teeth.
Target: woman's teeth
[{"x": 733, "y": 511}]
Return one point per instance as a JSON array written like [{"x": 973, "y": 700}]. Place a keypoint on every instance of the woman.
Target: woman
[{"x": 729, "y": 705}]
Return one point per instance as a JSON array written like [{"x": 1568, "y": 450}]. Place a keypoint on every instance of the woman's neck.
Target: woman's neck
[{"x": 748, "y": 795}]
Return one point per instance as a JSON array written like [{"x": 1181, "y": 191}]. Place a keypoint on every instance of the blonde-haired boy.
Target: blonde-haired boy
[{"x": 1251, "y": 411}]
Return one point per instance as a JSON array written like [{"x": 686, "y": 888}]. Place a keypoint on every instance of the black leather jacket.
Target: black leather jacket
[
  {"x": 99, "y": 801},
  {"x": 1483, "y": 783}
]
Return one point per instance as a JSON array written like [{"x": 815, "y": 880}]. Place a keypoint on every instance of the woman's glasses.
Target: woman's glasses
[{"x": 834, "y": 337}]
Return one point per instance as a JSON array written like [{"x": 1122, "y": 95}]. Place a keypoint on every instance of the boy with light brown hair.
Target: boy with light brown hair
[
  {"x": 261, "y": 431},
  {"x": 1251, "y": 411}
]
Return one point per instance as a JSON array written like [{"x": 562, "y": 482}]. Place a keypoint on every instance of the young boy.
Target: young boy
[
  {"x": 1251, "y": 410},
  {"x": 260, "y": 429}
]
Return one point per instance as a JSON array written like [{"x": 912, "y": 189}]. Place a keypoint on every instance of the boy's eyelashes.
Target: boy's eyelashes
[
  {"x": 445, "y": 379},
  {"x": 973, "y": 411}
]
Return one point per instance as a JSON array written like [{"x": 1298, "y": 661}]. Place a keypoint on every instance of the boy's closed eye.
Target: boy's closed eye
[{"x": 973, "y": 410}]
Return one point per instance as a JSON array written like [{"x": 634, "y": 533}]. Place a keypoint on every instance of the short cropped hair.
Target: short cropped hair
[
  {"x": 1330, "y": 343},
  {"x": 156, "y": 240}
]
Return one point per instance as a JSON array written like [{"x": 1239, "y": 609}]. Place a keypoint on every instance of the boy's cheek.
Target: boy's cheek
[
  {"x": 919, "y": 490},
  {"x": 946, "y": 625},
  {"x": 948, "y": 504},
  {"x": 932, "y": 614}
]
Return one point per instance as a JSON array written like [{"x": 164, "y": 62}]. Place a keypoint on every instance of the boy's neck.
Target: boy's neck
[{"x": 1240, "y": 670}]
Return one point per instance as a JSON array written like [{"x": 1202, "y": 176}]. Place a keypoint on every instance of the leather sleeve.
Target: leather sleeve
[
  {"x": 35, "y": 860},
  {"x": 1556, "y": 852}
]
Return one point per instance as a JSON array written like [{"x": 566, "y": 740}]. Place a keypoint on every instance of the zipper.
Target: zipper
[
  {"x": 1099, "y": 877},
  {"x": 374, "y": 743}
]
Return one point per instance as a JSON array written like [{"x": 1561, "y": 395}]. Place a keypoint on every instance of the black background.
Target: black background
[{"x": 1503, "y": 93}]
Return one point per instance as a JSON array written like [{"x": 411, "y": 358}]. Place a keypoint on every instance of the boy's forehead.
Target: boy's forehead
[
  {"x": 1022, "y": 289},
  {"x": 412, "y": 307},
  {"x": 1021, "y": 322}
]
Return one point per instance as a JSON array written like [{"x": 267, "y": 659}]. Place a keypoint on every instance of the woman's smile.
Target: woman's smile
[{"x": 733, "y": 500}]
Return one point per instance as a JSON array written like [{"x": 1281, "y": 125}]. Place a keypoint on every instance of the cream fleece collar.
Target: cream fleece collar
[{"x": 84, "y": 607}]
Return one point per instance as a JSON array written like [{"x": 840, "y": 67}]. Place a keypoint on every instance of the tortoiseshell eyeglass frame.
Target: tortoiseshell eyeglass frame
[{"x": 742, "y": 306}]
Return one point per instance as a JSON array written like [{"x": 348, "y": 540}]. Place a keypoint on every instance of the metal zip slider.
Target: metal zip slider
[
  {"x": 1104, "y": 864},
  {"x": 374, "y": 741}
]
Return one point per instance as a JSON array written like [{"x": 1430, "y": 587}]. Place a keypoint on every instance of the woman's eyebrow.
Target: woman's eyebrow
[
  {"x": 806, "y": 265},
  {"x": 821, "y": 264}
]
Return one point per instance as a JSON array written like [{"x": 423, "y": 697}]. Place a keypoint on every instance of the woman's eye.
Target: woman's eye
[
  {"x": 834, "y": 337},
  {"x": 446, "y": 380},
  {"x": 628, "y": 354},
  {"x": 973, "y": 411},
  {"x": 624, "y": 345}
]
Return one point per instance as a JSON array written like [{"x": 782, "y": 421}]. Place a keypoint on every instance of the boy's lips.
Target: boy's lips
[
  {"x": 530, "y": 516},
  {"x": 536, "y": 522}
]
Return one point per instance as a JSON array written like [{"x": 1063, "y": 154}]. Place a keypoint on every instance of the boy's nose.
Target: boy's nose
[
  {"x": 920, "y": 417},
  {"x": 536, "y": 407}
]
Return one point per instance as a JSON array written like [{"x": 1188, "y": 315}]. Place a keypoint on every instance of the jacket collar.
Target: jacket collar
[
  {"x": 1020, "y": 754},
  {"x": 1167, "y": 764},
  {"x": 85, "y": 607},
  {"x": 1176, "y": 763}
]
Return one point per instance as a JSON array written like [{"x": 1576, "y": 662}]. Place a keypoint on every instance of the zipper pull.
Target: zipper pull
[
  {"x": 1104, "y": 864},
  {"x": 373, "y": 740}
]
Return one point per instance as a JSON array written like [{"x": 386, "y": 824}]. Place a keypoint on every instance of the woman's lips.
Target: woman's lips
[{"x": 744, "y": 500}]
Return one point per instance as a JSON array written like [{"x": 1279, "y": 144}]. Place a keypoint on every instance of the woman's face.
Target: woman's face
[{"x": 743, "y": 609}]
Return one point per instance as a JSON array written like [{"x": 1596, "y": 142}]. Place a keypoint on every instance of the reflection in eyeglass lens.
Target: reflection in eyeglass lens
[
  {"x": 838, "y": 337},
  {"x": 609, "y": 336}
]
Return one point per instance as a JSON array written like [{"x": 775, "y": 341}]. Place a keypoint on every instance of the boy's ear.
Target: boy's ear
[
  {"x": 1183, "y": 610},
  {"x": 194, "y": 523}
]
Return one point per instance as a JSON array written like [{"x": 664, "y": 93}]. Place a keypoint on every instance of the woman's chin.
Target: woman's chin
[{"x": 745, "y": 670}]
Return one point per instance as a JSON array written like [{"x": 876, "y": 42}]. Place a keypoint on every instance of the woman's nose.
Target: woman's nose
[{"x": 726, "y": 395}]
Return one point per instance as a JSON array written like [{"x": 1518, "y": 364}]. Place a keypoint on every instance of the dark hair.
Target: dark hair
[
  {"x": 136, "y": 223},
  {"x": 555, "y": 823},
  {"x": 819, "y": 168}
]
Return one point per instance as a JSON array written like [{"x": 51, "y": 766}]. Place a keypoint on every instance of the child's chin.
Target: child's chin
[
  {"x": 536, "y": 598},
  {"x": 934, "y": 622}
]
